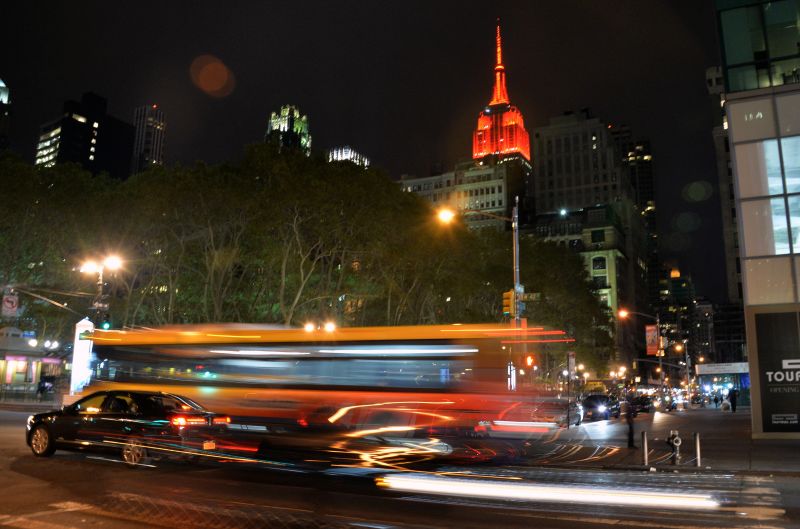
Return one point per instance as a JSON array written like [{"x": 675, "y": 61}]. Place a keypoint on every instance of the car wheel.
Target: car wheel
[
  {"x": 133, "y": 453},
  {"x": 42, "y": 442}
]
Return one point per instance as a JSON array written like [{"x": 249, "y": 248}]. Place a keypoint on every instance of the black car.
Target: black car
[
  {"x": 600, "y": 407},
  {"x": 133, "y": 423},
  {"x": 644, "y": 404}
]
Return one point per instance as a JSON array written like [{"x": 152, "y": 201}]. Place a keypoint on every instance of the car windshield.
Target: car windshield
[{"x": 595, "y": 400}]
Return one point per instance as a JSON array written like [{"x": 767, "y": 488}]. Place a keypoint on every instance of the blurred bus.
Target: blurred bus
[{"x": 401, "y": 381}]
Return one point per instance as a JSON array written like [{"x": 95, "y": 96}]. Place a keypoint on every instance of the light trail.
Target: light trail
[{"x": 545, "y": 493}]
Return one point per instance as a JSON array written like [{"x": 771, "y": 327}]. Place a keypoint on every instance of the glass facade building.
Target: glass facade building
[
  {"x": 761, "y": 49},
  {"x": 766, "y": 151},
  {"x": 760, "y": 43}
]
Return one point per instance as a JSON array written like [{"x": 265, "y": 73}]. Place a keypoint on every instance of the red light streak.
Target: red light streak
[{"x": 563, "y": 340}]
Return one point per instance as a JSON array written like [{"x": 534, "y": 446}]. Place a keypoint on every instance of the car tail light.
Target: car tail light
[
  {"x": 222, "y": 420},
  {"x": 181, "y": 420}
]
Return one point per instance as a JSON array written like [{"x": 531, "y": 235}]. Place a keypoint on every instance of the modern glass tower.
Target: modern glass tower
[{"x": 762, "y": 74}]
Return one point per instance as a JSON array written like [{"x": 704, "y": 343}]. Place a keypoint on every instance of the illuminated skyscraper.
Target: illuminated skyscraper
[
  {"x": 347, "y": 154},
  {"x": 289, "y": 128},
  {"x": 501, "y": 129},
  {"x": 148, "y": 145}
]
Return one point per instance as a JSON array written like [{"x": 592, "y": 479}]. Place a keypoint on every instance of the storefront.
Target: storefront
[
  {"x": 721, "y": 379},
  {"x": 24, "y": 363}
]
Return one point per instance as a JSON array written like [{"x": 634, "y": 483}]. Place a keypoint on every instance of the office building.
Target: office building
[
  {"x": 637, "y": 162},
  {"x": 733, "y": 275},
  {"x": 761, "y": 68},
  {"x": 347, "y": 154},
  {"x": 577, "y": 163},
  {"x": 5, "y": 116},
  {"x": 288, "y": 128},
  {"x": 602, "y": 236},
  {"x": 85, "y": 134},
  {"x": 704, "y": 336},
  {"x": 148, "y": 145}
]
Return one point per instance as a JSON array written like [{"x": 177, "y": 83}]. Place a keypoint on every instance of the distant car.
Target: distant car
[
  {"x": 132, "y": 423},
  {"x": 600, "y": 407},
  {"x": 644, "y": 404}
]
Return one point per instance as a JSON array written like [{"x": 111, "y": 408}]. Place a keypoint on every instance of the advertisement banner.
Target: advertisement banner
[
  {"x": 779, "y": 364},
  {"x": 651, "y": 337}
]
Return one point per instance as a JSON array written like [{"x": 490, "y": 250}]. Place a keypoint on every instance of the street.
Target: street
[{"x": 95, "y": 489}]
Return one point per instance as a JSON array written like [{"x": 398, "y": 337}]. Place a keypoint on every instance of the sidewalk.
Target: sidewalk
[
  {"x": 725, "y": 443},
  {"x": 29, "y": 403}
]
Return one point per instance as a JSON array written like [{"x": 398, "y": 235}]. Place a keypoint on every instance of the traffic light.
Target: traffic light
[
  {"x": 510, "y": 303},
  {"x": 529, "y": 361}
]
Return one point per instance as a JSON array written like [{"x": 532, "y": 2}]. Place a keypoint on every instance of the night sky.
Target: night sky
[{"x": 402, "y": 82}]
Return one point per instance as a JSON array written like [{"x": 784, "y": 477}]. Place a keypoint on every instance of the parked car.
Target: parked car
[
  {"x": 600, "y": 407},
  {"x": 132, "y": 423},
  {"x": 575, "y": 415}
]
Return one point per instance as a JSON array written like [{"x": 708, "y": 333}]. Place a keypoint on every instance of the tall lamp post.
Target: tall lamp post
[
  {"x": 447, "y": 215},
  {"x": 111, "y": 262},
  {"x": 623, "y": 314}
]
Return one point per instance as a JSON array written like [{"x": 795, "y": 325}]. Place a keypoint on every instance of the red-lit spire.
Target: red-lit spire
[
  {"x": 500, "y": 94},
  {"x": 501, "y": 129}
]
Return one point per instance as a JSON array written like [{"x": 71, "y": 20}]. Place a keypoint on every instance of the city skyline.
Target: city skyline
[{"x": 566, "y": 56}]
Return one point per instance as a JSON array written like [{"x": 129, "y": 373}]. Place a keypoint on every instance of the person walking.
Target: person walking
[
  {"x": 732, "y": 397},
  {"x": 716, "y": 401},
  {"x": 629, "y": 414}
]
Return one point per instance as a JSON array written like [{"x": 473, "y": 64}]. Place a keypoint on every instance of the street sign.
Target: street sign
[{"x": 530, "y": 296}]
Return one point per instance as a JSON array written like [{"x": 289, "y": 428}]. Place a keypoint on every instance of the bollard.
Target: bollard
[
  {"x": 697, "y": 448},
  {"x": 645, "y": 454}
]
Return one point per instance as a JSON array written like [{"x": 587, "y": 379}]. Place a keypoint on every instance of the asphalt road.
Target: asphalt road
[{"x": 95, "y": 490}]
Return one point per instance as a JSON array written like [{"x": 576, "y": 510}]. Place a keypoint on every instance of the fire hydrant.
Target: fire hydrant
[{"x": 674, "y": 441}]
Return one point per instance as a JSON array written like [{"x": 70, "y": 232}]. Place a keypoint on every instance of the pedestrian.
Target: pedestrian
[
  {"x": 732, "y": 397},
  {"x": 629, "y": 413},
  {"x": 41, "y": 388},
  {"x": 716, "y": 401}
]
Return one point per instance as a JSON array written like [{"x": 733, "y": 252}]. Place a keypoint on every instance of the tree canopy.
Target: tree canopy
[{"x": 274, "y": 237}]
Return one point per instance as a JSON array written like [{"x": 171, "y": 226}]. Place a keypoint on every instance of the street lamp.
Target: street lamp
[
  {"x": 446, "y": 216},
  {"x": 111, "y": 262}
]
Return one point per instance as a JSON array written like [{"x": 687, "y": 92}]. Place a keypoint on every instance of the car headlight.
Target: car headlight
[{"x": 601, "y": 408}]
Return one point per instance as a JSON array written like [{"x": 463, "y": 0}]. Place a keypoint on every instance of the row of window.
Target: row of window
[
  {"x": 569, "y": 143},
  {"x": 760, "y": 44}
]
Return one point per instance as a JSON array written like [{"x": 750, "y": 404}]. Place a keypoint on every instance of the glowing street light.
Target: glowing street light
[
  {"x": 329, "y": 326},
  {"x": 446, "y": 215},
  {"x": 623, "y": 313},
  {"x": 309, "y": 327},
  {"x": 581, "y": 367}
]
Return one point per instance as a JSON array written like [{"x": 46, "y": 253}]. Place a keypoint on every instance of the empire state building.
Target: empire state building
[{"x": 501, "y": 129}]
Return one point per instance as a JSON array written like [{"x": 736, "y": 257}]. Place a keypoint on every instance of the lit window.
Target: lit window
[
  {"x": 91, "y": 149},
  {"x": 94, "y": 140},
  {"x": 79, "y": 118},
  {"x": 95, "y": 124},
  {"x": 91, "y": 156}
]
